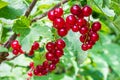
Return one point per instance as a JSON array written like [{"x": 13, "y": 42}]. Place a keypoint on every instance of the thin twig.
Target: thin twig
[
  {"x": 27, "y": 13},
  {"x": 8, "y": 59},
  {"x": 45, "y": 14}
]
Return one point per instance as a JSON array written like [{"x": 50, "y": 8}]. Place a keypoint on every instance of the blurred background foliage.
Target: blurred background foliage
[{"x": 102, "y": 62}]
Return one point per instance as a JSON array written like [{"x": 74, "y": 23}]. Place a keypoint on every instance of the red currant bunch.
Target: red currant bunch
[
  {"x": 16, "y": 47},
  {"x": 53, "y": 54},
  {"x": 34, "y": 47}
]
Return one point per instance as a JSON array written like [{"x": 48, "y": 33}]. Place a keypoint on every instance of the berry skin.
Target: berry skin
[
  {"x": 31, "y": 53},
  {"x": 59, "y": 23},
  {"x": 89, "y": 46},
  {"x": 30, "y": 74},
  {"x": 55, "y": 61},
  {"x": 62, "y": 32},
  {"x": 83, "y": 30},
  {"x": 36, "y": 72},
  {"x": 45, "y": 64},
  {"x": 35, "y": 46},
  {"x": 31, "y": 65},
  {"x": 50, "y": 46},
  {"x": 87, "y": 11},
  {"x": 58, "y": 12},
  {"x": 15, "y": 52},
  {"x": 71, "y": 19},
  {"x": 15, "y": 44},
  {"x": 39, "y": 68},
  {"x": 59, "y": 53},
  {"x": 51, "y": 15},
  {"x": 80, "y": 15},
  {"x": 96, "y": 26},
  {"x": 44, "y": 72},
  {"x": 81, "y": 22},
  {"x": 75, "y": 9},
  {"x": 75, "y": 28},
  {"x": 67, "y": 26},
  {"x": 82, "y": 38},
  {"x": 84, "y": 47},
  {"x": 94, "y": 37},
  {"x": 60, "y": 44},
  {"x": 49, "y": 56},
  {"x": 52, "y": 67}
]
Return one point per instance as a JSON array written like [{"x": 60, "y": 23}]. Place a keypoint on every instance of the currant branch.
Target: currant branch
[
  {"x": 45, "y": 14},
  {"x": 14, "y": 36}
]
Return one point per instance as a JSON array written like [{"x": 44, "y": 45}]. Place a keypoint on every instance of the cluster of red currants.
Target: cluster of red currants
[
  {"x": 77, "y": 23},
  {"x": 16, "y": 47},
  {"x": 53, "y": 54},
  {"x": 34, "y": 47}
]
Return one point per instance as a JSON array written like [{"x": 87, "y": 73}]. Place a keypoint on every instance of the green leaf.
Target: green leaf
[
  {"x": 117, "y": 22},
  {"x": 21, "y": 26},
  {"x": 34, "y": 35},
  {"x": 3, "y": 4},
  {"x": 3, "y": 49}
]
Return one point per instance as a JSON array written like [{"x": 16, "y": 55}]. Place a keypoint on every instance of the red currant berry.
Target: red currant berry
[
  {"x": 31, "y": 53},
  {"x": 30, "y": 74},
  {"x": 94, "y": 37},
  {"x": 84, "y": 47},
  {"x": 67, "y": 26},
  {"x": 36, "y": 72},
  {"x": 52, "y": 67},
  {"x": 62, "y": 32},
  {"x": 71, "y": 19},
  {"x": 60, "y": 44},
  {"x": 39, "y": 68},
  {"x": 59, "y": 53},
  {"x": 50, "y": 46},
  {"x": 45, "y": 64},
  {"x": 49, "y": 56},
  {"x": 96, "y": 26},
  {"x": 51, "y": 15},
  {"x": 35, "y": 46},
  {"x": 31, "y": 65},
  {"x": 83, "y": 30},
  {"x": 15, "y": 44},
  {"x": 44, "y": 72},
  {"x": 87, "y": 11},
  {"x": 55, "y": 61},
  {"x": 15, "y": 52},
  {"x": 81, "y": 22},
  {"x": 80, "y": 15},
  {"x": 89, "y": 46},
  {"x": 75, "y": 9},
  {"x": 82, "y": 38},
  {"x": 59, "y": 23},
  {"x": 58, "y": 12},
  {"x": 75, "y": 28}
]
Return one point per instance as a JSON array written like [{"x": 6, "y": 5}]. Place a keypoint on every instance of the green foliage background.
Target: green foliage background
[{"x": 102, "y": 62}]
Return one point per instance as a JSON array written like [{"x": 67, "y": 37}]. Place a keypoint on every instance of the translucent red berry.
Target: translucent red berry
[
  {"x": 60, "y": 44},
  {"x": 50, "y": 46},
  {"x": 75, "y": 9},
  {"x": 84, "y": 47},
  {"x": 30, "y": 74},
  {"x": 75, "y": 28},
  {"x": 58, "y": 12},
  {"x": 96, "y": 26},
  {"x": 52, "y": 67},
  {"x": 51, "y": 15},
  {"x": 15, "y": 44},
  {"x": 81, "y": 22},
  {"x": 83, "y": 30},
  {"x": 87, "y": 11},
  {"x": 59, "y": 53},
  {"x": 62, "y": 32},
  {"x": 35, "y": 46},
  {"x": 58, "y": 23},
  {"x": 71, "y": 19},
  {"x": 15, "y": 52},
  {"x": 82, "y": 38},
  {"x": 49, "y": 56},
  {"x": 94, "y": 37}
]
